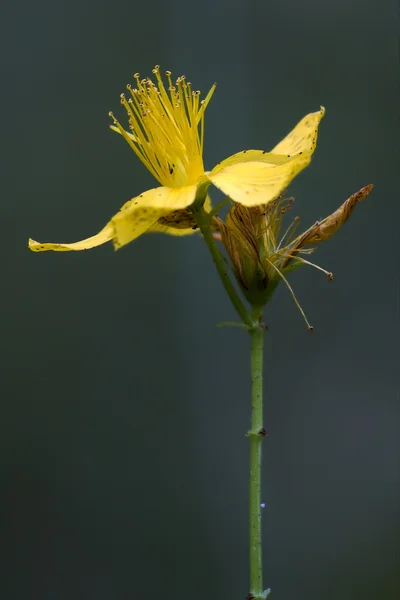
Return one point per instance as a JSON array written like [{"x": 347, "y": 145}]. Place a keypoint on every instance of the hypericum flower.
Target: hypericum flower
[
  {"x": 261, "y": 256},
  {"x": 167, "y": 133}
]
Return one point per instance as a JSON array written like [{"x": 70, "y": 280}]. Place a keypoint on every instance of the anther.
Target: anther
[
  {"x": 310, "y": 328},
  {"x": 136, "y": 76},
  {"x": 330, "y": 276},
  {"x": 110, "y": 114},
  {"x": 297, "y": 218},
  {"x": 168, "y": 73}
]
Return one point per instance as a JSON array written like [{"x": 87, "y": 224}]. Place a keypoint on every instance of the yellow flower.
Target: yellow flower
[{"x": 167, "y": 134}]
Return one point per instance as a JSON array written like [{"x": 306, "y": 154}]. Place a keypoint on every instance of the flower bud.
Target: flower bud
[{"x": 261, "y": 256}]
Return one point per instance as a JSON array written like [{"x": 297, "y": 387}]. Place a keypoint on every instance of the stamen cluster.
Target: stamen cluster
[{"x": 166, "y": 127}]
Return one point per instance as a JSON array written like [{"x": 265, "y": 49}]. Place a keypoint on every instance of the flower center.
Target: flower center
[{"x": 167, "y": 127}]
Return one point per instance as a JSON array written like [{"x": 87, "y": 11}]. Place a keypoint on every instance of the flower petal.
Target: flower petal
[
  {"x": 303, "y": 138},
  {"x": 142, "y": 213},
  {"x": 105, "y": 235},
  {"x": 251, "y": 156},
  {"x": 136, "y": 217},
  {"x": 254, "y": 183}
]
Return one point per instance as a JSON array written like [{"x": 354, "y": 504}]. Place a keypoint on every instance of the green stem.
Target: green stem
[
  {"x": 203, "y": 221},
  {"x": 256, "y": 436},
  {"x": 257, "y": 432}
]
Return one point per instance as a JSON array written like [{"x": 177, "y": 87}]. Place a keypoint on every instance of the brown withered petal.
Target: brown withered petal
[{"x": 323, "y": 230}]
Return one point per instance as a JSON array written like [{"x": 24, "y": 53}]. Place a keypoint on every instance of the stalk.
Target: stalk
[
  {"x": 256, "y": 436},
  {"x": 203, "y": 221}
]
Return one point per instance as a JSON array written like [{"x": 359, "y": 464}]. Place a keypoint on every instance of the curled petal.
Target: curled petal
[
  {"x": 105, "y": 235},
  {"x": 137, "y": 216},
  {"x": 252, "y": 156},
  {"x": 142, "y": 213},
  {"x": 303, "y": 138},
  {"x": 325, "y": 229},
  {"x": 255, "y": 183}
]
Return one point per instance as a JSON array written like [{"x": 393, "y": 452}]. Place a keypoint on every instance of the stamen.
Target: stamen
[
  {"x": 329, "y": 274},
  {"x": 310, "y": 327},
  {"x": 290, "y": 231}
]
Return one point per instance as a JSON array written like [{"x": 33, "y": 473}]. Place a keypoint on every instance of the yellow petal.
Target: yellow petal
[
  {"x": 136, "y": 217},
  {"x": 303, "y": 138},
  {"x": 251, "y": 156},
  {"x": 142, "y": 213},
  {"x": 105, "y": 235},
  {"x": 254, "y": 183},
  {"x": 159, "y": 228}
]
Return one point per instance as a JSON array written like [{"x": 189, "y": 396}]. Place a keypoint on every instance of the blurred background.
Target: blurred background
[{"x": 124, "y": 461}]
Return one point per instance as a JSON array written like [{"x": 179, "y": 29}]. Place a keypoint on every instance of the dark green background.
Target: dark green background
[{"x": 124, "y": 410}]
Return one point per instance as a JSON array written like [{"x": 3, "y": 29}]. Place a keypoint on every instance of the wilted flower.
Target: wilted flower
[
  {"x": 167, "y": 134},
  {"x": 261, "y": 256}
]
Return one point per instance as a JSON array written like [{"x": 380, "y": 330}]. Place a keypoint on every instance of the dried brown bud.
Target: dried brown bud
[
  {"x": 325, "y": 229},
  {"x": 238, "y": 238},
  {"x": 262, "y": 256}
]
